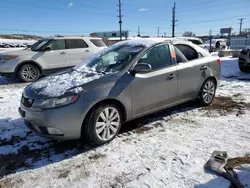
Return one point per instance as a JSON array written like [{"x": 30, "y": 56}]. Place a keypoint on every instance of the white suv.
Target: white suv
[{"x": 47, "y": 56}]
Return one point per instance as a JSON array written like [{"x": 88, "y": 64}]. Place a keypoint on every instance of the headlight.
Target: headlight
[{"x": 54, "y": 102}]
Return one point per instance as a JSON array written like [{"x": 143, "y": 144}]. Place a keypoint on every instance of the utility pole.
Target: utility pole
[
  {"x": 120, "y": 18},
  {"x": 139, "y": 33},
  {"x": 241, "y": 20},
  {"x": 173, "y": 20},
  {"x": 210, "y": 40},
  {"x": 158, "y": 31}
]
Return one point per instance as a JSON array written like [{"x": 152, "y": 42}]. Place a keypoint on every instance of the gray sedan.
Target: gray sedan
[{"x": 125, "y": 81}]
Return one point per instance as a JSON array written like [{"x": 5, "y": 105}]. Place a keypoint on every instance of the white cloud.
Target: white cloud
[
  {"x": 143, "y": 9},
  {"x": 71, "y": 4}
]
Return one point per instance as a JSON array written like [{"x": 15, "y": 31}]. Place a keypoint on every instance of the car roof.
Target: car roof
[
  {"x": 147, "y": 42},
  {"x": 75, "y": 37},
  {"x": 189, "y": 38}
]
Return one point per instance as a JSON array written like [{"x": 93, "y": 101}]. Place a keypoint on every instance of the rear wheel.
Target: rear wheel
[
  {"x": 28, "y": 73},
  {"x": 207, "y": 92},
  {"x": 103, "y": 124}
]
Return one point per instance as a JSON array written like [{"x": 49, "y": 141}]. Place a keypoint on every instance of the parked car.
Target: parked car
[
  {"x": 244, "y": 60},
  {"x": 125, "y": 81},
  {"x": 216, "y": 44},
  {"x": 194, "y": 40},
  {"x": 47, "y": 56}
]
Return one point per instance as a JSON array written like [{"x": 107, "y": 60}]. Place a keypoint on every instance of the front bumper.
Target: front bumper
[
  {"x": 62, "y": 123},
  {"x": 7, "y": 67}
]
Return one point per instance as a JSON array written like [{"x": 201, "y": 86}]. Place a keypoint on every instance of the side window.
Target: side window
[
  {"x": 98, "y": 42},
  {"x": 179, "y": 56},
  {"x": 187, "y": 51},
  {"x": 76, "y": 43},
  {"x": 57, "y": 45},
  {"x": 158, "y": 57}
]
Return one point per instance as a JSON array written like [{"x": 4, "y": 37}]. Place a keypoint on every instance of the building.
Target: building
[{"x": 109, "y": 34}]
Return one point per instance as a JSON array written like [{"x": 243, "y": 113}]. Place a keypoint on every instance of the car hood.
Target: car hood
[
  {"x": 17, "y": 52},
  {"x": 62, "y": 83}
]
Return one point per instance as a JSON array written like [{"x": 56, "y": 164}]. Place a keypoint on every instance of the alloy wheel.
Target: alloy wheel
[
  {"x": 108, "y": 123},
  {"x": 208, "y": 92},
  {"x": 29, "y": 73}
]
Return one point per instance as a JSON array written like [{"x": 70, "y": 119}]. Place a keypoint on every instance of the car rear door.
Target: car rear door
[
  {"x": 158, "y": 88},
  {"x": 54, "y": 58},
  {"x": 190, "y": 73},
  {"x": 78, "y": 51}
]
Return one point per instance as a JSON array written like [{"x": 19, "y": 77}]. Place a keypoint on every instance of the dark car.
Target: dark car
[{"x": 244, "y": 60}]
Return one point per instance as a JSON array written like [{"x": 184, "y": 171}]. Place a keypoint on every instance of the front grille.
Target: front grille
[{"x": 27, "y": 102}]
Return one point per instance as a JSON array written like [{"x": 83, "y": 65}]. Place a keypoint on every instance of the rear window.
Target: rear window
[
  {"x": 76, "y": 43},
  {"x": 196, "y": 42},
  {"x": 98, "y": 42}
]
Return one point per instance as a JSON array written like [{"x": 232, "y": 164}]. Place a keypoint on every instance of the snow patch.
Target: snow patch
[{"x": 230, "y": 68}]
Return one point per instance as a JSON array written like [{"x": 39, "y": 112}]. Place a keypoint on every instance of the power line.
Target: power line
[{"x": 214, "y": 20}]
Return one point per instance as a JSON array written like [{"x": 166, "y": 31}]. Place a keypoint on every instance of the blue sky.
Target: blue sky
[{"x": 49, "y": 17}]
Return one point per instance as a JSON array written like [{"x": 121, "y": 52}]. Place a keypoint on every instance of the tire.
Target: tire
[
  {"x": 95, "y": 134},
  {"x": 207, "y": 92},
  {"x": 28, "y": 73},
  {"x": 243, "y": 69}
]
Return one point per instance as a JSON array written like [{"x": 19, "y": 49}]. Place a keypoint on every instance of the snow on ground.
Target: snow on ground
[
  {"x": 16, "y": 41},
  {"x": 166, "y": 149}
]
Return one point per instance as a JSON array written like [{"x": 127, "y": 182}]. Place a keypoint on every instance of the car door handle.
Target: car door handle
[
  {"x": 87, "y": 50},
  {"x": 171, "y": 77},
  {"x": 63, "y": 53},
  {"x": 203, "y": 68}
]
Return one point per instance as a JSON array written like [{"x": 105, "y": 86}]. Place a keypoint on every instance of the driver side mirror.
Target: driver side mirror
[
  {"x": 142, "y": 68},
  {"x": 47, "y": 48}
]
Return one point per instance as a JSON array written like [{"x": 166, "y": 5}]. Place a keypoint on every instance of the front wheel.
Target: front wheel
[
  {"x": 103, "y": 124},
  {"x": 207, "y": 92},
  {"x": 28, "y": 73}
]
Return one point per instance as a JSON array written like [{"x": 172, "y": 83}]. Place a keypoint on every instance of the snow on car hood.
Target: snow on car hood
[{"x": 58, "y": 85}]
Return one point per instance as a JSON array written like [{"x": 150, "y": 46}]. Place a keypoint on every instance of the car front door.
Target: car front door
[
  {"x": 54, "y": 55},
  {"x": 158, "y": 88},
  {"x": 78, "y": 51},
  {"x": 189, "y": 73}
]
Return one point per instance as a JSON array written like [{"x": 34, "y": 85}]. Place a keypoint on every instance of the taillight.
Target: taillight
[{"x": 218, "y": 61}]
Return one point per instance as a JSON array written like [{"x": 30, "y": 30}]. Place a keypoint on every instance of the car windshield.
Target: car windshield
[
  {"x": 112, "y": 59},
  {"x": 39, "y": 44}
]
